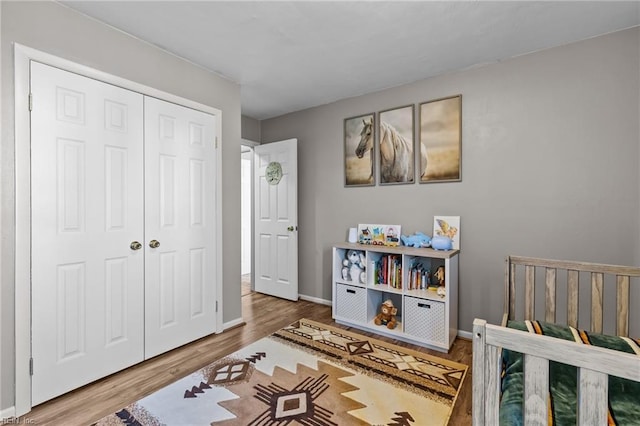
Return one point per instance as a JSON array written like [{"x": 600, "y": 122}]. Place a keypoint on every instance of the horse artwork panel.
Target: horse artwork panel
[
  {"x": 396, "y": 156},
  {"x": 441, "y": 133},
  {"x": 358, "y": 155},
  {"x": 396, "y": 146}
]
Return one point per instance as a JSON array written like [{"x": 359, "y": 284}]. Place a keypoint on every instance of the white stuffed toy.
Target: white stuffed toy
[{"x": 353, "y": 266}]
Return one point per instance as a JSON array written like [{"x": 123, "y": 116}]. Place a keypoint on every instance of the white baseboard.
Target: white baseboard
[
  {"x": 234, "y": 323},
  {"x": 465, "y": 334},
  {"x": 315, "y": 300},
  {"x": 7, "y": 413}
]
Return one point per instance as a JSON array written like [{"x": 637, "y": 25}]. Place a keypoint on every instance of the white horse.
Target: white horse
[
  {"x": 366, "y": 142},
  {"x": 396, "y": 159}
]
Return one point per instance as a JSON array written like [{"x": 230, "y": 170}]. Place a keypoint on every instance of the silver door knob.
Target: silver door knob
[
  {"x": 135, "y": 245},
  {"x": 154, "y": 243},
  {"x": 290, "y": 229}
]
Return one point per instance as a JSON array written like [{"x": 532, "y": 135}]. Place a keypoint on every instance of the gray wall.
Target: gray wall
[
  {"x": 550, "y": 159},
  {"x": 55, "y": 29},
  {"x": 250, "y": 129}
]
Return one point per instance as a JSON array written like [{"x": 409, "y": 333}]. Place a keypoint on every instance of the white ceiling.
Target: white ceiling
[{"x": 292, "y": 55}]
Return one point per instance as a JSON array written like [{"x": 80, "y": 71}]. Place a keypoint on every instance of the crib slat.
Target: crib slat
[
  {"x": 479, "y": 343},
  {"x": 572, "y": 298},
  {"x": 596, "y": 301},
  {"x": 512, "y": 292},
  {"x": 536, "y": 390},
  {"x": 593, "y": 390},
  {"x": 492, "y": 395},
  {"x": 550, "y": 295},
  {"x": 529, "y": 292},
  {"x": 622, "y": 298}
]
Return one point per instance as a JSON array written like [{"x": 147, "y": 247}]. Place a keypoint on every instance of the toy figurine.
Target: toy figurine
[
  {"x": 439, "y": 276},
  {"x": 417, "y": 240},
  {"x": 439, "y": 242}
]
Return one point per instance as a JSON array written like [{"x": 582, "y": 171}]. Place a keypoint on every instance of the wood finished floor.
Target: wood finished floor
[{"x": 263, "y": 315}]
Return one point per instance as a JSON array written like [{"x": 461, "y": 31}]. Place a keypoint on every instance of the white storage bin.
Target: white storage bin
[
  {"x": 424, "y": 318},
  {"x": 351, "y": 302}
]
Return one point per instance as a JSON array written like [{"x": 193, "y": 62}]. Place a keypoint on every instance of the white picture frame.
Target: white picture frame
[{"x": 448, "y": 226}]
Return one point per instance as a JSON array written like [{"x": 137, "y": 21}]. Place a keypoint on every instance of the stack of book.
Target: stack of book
[
  {"x": 419, "y": 277},
  {"x": 388, "y": 270}
]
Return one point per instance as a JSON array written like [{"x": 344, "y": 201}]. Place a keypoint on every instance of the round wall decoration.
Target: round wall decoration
[{"x": 273, "y": 173}]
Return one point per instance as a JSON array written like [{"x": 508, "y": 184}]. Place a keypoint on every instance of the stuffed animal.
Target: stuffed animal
[
  {"x": 439, "y": 242},
  {"x": 417, "y": 240},
  {"x": 353, "y": 266},
  {"x": 387, "y": 315}
]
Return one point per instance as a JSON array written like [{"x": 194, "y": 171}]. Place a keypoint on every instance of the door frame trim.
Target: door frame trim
[{"x": 23, "y": 55}]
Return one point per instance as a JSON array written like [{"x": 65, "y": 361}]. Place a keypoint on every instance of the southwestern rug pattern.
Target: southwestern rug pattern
[{"x": 310, "y": 374}]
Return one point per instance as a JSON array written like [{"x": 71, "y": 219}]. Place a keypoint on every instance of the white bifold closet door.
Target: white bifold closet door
[
  {"x": 87, "y": 207},
  {"x": 122, "y": 228},
  {"x": 180, "y": 216}
]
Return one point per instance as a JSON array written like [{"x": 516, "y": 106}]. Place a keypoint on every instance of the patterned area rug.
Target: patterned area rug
[{"x": 309, "y": 374}]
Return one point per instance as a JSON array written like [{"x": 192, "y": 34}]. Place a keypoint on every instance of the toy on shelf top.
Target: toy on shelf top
[
  {"x": 418, "y": 239},
  {"x": 440, "y": 242},
  {"x": 379, "y": 235}
]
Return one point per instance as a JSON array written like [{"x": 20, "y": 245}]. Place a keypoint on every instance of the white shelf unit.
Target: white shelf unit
[{"x": 424, "y": 318}]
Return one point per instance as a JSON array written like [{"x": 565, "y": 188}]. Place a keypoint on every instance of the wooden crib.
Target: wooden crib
[{"x": 594, "y": 364}]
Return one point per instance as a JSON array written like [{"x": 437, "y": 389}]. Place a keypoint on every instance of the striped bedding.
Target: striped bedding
[{"x": 624, "y": 395}]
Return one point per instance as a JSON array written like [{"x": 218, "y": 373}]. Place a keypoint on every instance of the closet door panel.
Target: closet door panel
[
  {"x": 180, "y": 215},
  {"x": 87, "y": 208}
]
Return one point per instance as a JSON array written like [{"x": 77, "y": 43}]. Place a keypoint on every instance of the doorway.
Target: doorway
[{"x": 246, "y": 217}]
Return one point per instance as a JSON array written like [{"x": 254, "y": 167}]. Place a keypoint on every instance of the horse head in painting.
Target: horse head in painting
[{"x": 366, "y": 141}]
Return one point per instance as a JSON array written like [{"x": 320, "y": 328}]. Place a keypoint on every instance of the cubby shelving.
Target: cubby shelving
[{"x": 401, "y": 274}]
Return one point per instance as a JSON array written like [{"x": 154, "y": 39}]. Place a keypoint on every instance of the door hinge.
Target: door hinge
[
  {"x": 216, "y": 142},
  {"x": 216, "y": 306},
  {"x": 30, "y": 101},
  {"x": 31, "y": 366}
]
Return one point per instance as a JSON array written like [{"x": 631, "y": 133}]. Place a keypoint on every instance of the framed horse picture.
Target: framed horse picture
[
  {"x": 359, "y": 135},
  {"x": 395, "y": 147},
  {"x": 441, "y": 135}
]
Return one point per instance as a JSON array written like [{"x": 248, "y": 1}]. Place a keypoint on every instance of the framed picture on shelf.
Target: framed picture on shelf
[
  {"x": 448, "y": 226},
  {"x": 379, "y": 235},
  {"x": 359, "y": 134},
  {"x": 441, "y": 137},
  {"x": 395, "y": 147}
]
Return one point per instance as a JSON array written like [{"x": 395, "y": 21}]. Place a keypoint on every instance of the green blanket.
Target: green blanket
[{"x": 624, "y": 395}]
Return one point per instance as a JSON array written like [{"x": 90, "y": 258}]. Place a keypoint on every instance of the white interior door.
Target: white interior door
[
  {"x": 180, "y": 194},
  {"x": 276, "y": 219},
  {"x": 87, "y": 209}
]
